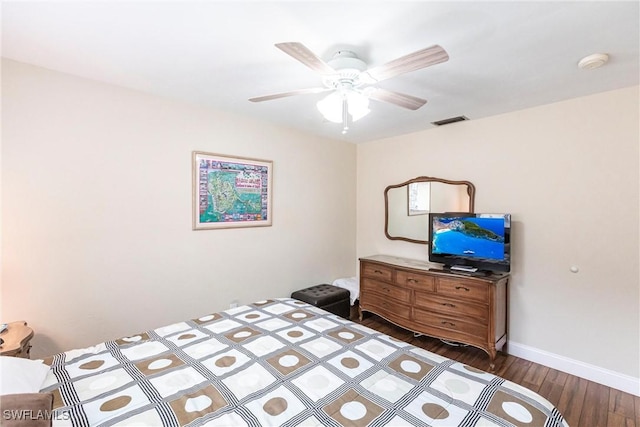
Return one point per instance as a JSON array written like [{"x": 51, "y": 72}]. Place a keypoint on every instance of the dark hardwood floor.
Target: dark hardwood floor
[{"x": 583, "y": 403}]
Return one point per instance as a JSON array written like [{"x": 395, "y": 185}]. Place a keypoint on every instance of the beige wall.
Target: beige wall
[
  {"x": 568, "y": 174},
  {"x": 96, "y": 211}
]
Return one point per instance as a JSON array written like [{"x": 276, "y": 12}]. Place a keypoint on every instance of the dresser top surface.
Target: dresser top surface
[
  {"x": 401, "y": 262},
  {"x": 426, "y": 266}
]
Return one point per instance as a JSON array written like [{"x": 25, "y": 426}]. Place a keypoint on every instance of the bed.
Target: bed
[{"x": 279, "y": 362}]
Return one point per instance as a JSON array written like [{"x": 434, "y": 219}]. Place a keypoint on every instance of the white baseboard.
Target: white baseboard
[{"x": 589, "y": 372}]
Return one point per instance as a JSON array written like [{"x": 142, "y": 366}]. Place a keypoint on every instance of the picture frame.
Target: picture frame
[{"x": 231, "y": 192}]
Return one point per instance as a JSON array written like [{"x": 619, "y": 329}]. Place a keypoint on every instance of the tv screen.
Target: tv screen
[{"x": 471, "y": 242}]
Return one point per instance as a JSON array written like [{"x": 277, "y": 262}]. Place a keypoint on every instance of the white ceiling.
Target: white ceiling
[{"x": 504, "y": 56}]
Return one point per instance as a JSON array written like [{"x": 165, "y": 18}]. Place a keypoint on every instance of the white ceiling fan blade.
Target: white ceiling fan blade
[
  {"x": 396, "y": 98},
  {"x": 292, "y": 93},
  {"x": 414, "y": 61},
  {"x": 301, "y": 53}
]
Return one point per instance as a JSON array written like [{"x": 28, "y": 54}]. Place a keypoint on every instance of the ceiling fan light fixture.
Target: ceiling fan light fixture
[
  {"x": 331, "y": 107},
  {"x": 358, "y": 105}
]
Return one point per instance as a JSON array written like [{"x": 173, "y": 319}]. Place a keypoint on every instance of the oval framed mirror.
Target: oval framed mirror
[{"x": 407, "y": 205}]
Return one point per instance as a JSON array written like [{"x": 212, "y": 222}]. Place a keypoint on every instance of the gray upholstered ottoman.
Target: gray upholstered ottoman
[{"x": 326, "y": 297}]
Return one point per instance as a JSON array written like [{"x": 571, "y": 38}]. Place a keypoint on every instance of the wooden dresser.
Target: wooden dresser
[{"x": 417, "y": 296}]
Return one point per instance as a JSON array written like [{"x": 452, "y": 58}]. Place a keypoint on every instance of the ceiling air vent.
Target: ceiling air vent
[{"x": 450, "y": 120}]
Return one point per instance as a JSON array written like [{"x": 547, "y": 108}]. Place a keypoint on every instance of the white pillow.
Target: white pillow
[{"x": 19, "y": 375}]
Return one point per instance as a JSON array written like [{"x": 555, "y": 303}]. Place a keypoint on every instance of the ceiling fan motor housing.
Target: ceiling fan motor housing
[{"x": 348, "y": 67}]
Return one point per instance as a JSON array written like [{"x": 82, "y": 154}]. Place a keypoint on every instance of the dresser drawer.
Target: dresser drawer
[
  {"x": 460, "y": 288},
  {"x": 385, "y": 290},
  {"x": 413, "y": 280},
  {"x": 430, "y": 318},
  {"x": 451, "y": 307},
  {"x": 377, "y": 271},
  {"x": 386, "y": 307}
]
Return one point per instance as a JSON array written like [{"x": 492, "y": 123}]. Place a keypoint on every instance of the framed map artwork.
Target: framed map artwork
[{"x": 230, "y": 191}]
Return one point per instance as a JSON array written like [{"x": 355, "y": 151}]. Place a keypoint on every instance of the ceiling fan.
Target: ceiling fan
[{"x": 352, "y": 83}]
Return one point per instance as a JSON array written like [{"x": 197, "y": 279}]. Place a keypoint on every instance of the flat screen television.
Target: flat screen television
[{"x": 471, "y": 242}]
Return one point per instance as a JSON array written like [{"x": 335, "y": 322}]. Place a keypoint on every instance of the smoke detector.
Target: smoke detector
[{"x": 593, "y": 61}]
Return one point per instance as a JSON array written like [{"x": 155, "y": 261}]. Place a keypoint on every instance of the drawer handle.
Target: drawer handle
[
  {"x": 377, "y": 271},
  {"x": 386, "y": 289},
  {"x": 462, "y": 288},
  {"x": 410, "y": 280},
  {"x": 448, "y": 304},
  {"x": 448, "y": 323}
]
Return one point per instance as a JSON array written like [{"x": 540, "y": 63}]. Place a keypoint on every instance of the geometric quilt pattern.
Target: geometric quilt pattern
[{"x": 279, "y": 362}]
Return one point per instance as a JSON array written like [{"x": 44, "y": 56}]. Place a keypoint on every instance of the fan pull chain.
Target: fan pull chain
[{"x": 345, "y": 115}]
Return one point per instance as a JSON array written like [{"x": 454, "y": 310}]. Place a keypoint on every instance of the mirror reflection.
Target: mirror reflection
[
  {"x": 408, "y": 204},
  {"x": 419, "y": 194}
]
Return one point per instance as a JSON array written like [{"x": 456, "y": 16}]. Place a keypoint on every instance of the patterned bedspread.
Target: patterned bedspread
[{"x": 280, "y": 362}]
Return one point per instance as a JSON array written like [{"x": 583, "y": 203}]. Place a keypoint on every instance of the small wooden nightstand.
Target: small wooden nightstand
[{"x": 17, "y": 339}]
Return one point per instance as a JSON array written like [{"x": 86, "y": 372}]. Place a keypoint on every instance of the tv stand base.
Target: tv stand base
[{"x": 465, "y": 270}]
